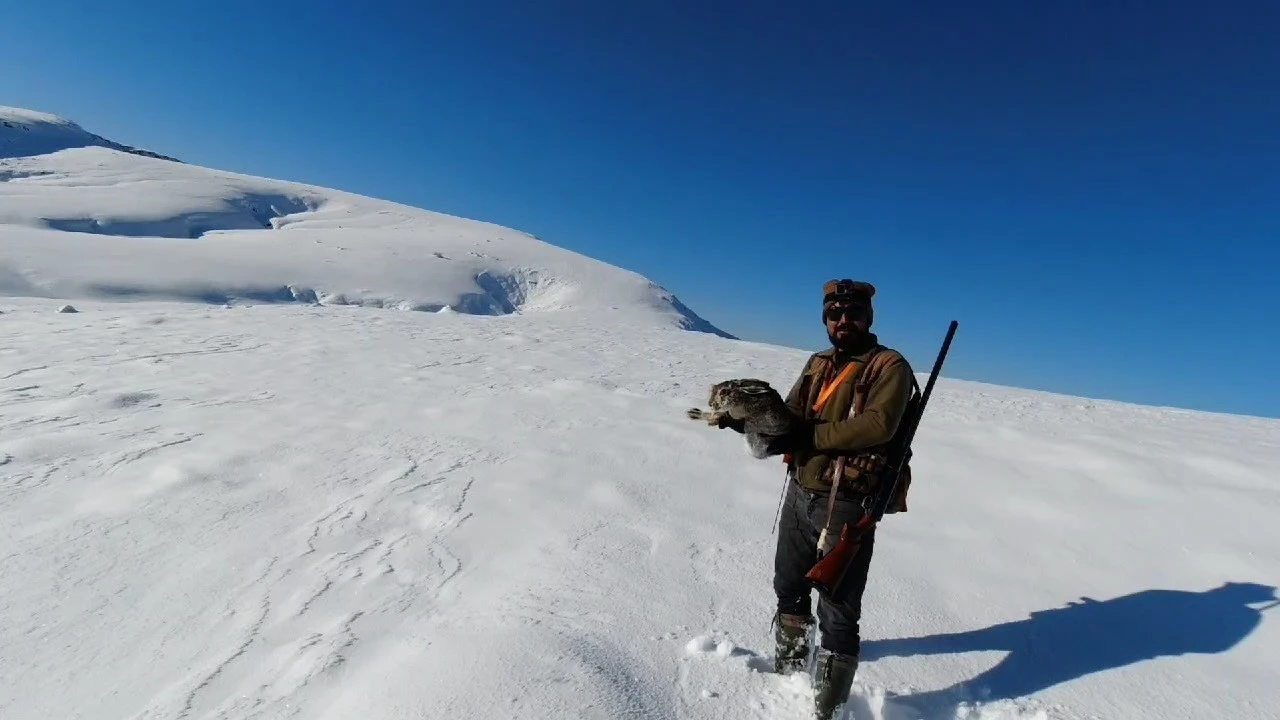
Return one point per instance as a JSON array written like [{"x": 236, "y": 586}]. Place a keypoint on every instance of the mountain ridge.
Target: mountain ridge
[
  {"x": 183, "y": 231},
  {"x": 54, "y": 130}
]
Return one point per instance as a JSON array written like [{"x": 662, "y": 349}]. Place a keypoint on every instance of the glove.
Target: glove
[
  {"x": 738, "y": 426},
  {"x": 797, "y": 441}
]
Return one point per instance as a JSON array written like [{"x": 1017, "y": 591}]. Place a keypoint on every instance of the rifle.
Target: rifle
[{"x": 828, "y": 574}]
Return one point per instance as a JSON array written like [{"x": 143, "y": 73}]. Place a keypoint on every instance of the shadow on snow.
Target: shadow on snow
[{"x": 1084, "y": 637}]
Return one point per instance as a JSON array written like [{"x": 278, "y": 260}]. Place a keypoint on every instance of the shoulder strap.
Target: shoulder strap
[
  {"x": 810, "y": 379},
  {"x": 880, "y": 359},
  {"x": 830, "y": 387}
]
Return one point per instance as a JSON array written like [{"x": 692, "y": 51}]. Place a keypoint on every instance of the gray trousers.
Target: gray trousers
[{"x": 803, "y": 515}]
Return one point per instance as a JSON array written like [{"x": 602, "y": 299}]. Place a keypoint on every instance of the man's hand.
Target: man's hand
[
  {"x": 798, "y": 440},
  {"x": 738, "y": 426}
]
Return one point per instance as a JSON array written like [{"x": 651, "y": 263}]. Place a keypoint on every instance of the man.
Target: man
[{"x": 823, "y": 397}]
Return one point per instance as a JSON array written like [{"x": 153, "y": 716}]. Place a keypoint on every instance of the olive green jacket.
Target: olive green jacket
[{"x": 836, "y": 433}]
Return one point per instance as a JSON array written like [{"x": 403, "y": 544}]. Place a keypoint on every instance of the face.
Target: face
[{"x": 845, "y": 321}]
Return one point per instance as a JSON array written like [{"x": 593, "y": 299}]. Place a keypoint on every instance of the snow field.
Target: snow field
[{"x": 292, "y": 511}]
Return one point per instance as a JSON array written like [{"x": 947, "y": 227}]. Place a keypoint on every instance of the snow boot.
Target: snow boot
[
  {"x": 832, "y": 679},
  {"x": 791, "y": 638}
]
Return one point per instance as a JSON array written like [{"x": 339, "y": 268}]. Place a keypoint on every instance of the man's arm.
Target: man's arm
[
  {"x": 795, "y": 399},
  {"x": 886, "y": 402}
]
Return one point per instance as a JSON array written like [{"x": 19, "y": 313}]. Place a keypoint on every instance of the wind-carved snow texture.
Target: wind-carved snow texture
[
  {"x": 297, "y": 620},
  {"x": 194, "y": 234},
  {"x": 292, "y": 512},
  {"x": 245, "y": 212}
]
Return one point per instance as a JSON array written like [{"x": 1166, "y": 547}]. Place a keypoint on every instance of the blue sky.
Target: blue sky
[{"x": 1090, "y": 188}]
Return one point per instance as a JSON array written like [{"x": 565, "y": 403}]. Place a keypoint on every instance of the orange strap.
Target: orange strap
[
  {"x": 825, "y": 395},
  {"x": 831, "y": 386}
]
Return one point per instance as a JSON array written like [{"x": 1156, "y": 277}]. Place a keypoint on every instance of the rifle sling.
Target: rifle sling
[
  {"x": 831, "y": 386},
  {"x": 859, "y": 403},
  {"x": 831, "y": 503}
]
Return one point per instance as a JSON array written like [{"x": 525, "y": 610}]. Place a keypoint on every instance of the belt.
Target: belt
[{"x": 844, "y": 493}]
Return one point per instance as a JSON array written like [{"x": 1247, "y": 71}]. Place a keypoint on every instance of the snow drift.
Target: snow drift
[{"x": 185, "y": 232}]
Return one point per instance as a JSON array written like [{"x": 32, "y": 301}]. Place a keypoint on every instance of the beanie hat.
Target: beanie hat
[{"x": 849, "y": 291}]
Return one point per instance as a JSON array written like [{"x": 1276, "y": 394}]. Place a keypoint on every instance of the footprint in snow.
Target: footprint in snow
[
  {"x": 128, "y": 400},
  {"x": 706, "y": 645},
  {"x": 726, "y": 649}
]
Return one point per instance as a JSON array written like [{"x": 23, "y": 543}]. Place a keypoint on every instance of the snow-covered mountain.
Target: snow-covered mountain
[
  {"x": 27, "y": 132},
  {"x": 187, "y": 232},
  {"x": 262, "y": 511}
]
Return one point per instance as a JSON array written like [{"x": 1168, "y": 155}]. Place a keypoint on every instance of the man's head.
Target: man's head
[{"x": 847, "y": 312}]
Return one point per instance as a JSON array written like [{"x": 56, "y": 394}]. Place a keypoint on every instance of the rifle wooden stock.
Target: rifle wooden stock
[{"x": 829, "y": 573}]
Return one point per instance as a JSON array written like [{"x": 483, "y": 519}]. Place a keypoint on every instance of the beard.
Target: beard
[{"x": 853, "y": 340}]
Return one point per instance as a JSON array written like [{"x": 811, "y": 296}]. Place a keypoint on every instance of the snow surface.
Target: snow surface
[
  {"x": 299, "y": 511},
  {"x": 324, "y": 511}
]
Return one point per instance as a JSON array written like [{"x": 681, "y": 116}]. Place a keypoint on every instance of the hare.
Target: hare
[{"x": 759, "y": 408}]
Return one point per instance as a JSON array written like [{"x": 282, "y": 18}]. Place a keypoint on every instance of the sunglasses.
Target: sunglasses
[{"x": 853, "y": 312}]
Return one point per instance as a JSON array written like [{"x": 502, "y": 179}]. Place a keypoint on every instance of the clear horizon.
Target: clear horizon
[{"x": 1091, "y": 194}]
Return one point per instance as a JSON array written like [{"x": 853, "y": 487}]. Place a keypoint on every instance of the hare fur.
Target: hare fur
[{"x": 754, "y": 402}]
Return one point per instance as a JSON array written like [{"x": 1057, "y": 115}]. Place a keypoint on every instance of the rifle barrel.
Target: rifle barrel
[
  {"x": 901, "y": 450},
  {"x": 928, "y": 387}
]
